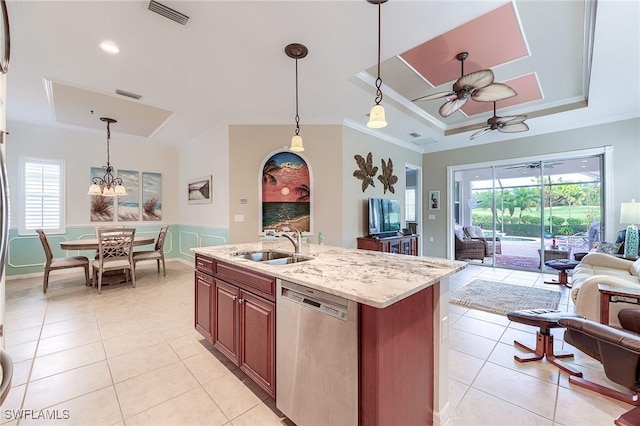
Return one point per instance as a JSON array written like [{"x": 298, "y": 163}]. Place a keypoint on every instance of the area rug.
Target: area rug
[
  {"x": 518, "y": 261},
  {"x": 501, "y": 298}
]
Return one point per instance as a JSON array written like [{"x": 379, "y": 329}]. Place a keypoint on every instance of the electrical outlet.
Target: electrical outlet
[
  {"x": 431, "y": 217},
  {"x": 238, "y": 218},
  {"x": 243, "y": 201},
  {"x": 430, "y": 239}
]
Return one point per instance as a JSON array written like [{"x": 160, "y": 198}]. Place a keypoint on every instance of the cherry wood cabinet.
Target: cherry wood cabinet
[
  {"x": 204, "y": 305},
  {"x": 240, "y": 308},
  {"x": 406, "y": 244}
]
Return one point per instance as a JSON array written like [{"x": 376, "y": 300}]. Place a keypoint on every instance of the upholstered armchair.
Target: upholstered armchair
[
  {"x": 466, "y": 247},
  {"x": 475, "y": 233}
]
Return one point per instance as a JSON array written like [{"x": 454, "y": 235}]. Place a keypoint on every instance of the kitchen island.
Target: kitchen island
[{"x": 402, "y": 368}]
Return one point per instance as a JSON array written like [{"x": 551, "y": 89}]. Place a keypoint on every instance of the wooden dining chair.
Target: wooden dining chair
[
  {"x": 55, "y": 263},
  {"x": 7, "y": 374},
  {"x": 115, "y": 252},
  {"x": 157, "y": 254}
]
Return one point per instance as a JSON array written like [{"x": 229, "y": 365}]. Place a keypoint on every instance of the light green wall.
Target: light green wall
[
  {"x": 25, "y": 254},
  {"x": 623, "y": 136},
  {"x": 354, "y": 212}
]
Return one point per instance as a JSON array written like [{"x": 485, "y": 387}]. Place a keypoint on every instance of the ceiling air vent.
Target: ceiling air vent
[
  {"x": 415, "y": 134},
  {"x": 128, "y": 94},
  {"x": 167, "y": 12}
]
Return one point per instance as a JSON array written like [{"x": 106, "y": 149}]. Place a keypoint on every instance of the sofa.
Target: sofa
[{"x": 601, "y": 268}]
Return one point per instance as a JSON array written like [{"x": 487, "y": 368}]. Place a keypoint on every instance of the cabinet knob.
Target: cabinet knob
[
  {"x": 241, "y": 301},
  {"x": 234, "y": 297}
]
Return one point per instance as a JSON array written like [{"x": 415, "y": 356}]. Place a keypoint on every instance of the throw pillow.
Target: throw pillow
[
  {"x": 474, "y": 231},
  {"x": 608, "y": 248},
  {"x": 459, "y": 231}
]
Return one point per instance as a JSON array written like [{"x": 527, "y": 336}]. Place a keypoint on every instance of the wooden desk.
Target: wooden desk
[
  {"x": 92, "y": 244},
  {"x": 609, "y": 293}
]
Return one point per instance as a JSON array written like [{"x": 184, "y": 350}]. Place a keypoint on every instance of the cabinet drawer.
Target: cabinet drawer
[
  {"x": 252, "y": 280},
  {"x": 205, "y": 264},
  {"x": 204, "y": 277}
]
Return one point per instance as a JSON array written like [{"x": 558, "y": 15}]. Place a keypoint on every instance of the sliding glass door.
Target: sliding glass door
[{"x": 531, "y": 212}]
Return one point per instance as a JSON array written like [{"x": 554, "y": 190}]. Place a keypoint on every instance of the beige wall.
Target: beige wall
[
  {"x": 354, "y": 213},
  {"x": 249, "y": 146},
  {"x": 208, "y": 154},
  {"x": 623, "y": 136}
]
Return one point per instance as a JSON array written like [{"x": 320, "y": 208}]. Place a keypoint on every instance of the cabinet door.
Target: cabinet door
[
  {"x": 257, "y": 325},
  {"x": 204, "y": 305},
  {"x": 414, "y": 246},
  {"x": 226, "y": 320},
  {"x": 395, "y": 246}
]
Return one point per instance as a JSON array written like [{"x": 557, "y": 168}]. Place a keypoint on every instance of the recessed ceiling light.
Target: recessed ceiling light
[
  {"x": 584, "y": 161},
  {"x": 109, "y": 47}
]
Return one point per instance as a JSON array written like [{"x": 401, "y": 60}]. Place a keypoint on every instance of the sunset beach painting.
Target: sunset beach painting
[{"x": 286, "y": 192}]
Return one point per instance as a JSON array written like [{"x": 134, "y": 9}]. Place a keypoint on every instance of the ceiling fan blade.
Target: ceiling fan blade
[
  {"x": 452, "y": 106},
  {"x": 494, "y": 92},
  {"x": 514, "y": 128},
  {"x": 434, "y": 96},
  {"x": 480, "y": 132},
  {"x": 506, "y": 119},
  {"x": 476, "y": 80},
  {"x": 515, "y": 119}
]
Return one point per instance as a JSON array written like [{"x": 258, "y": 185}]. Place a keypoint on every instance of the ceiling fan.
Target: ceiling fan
[
  {"x": 508, "y": 124},
  {"x": 477, "y": 85},
  {"x": 535, "y": 165}
]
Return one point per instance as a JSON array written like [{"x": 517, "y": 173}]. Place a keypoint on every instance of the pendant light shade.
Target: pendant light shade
[
  {"x": 296, "y": 144},
  {"x": 296, "y": 51},
  {"x": 108, "y": 185},
  {"x": 377, "y": 118}
]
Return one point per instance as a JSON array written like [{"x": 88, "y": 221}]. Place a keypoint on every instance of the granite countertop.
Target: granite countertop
[{"x": 369, "y": 277}]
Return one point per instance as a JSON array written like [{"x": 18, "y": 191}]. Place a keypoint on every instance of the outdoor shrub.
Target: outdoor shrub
[
  {"x": 557, "y": 220},
  {"x": 533, "y": 220},
  {"x": 575, "y": 221}
]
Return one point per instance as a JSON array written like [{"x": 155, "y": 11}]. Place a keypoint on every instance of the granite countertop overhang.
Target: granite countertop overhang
[{"x": 369, "y": 277}]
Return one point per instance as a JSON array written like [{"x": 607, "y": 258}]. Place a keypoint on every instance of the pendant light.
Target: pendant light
[
  {"x": 296, "y": 51},
  {"x": 376, "y": 116},
  {"x": 107, "y": 186}
]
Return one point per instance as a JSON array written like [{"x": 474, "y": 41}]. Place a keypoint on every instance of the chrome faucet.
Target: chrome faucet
[{"x": 296, "y": 241}]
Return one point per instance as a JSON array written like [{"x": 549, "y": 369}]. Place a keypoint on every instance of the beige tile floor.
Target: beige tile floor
[{"x": 131, "y": 356}]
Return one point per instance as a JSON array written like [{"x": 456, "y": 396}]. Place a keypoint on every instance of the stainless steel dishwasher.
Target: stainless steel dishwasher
[{"x": 316, "y": 356}]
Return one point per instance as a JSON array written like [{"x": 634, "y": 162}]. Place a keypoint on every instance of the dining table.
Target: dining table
[{"x": 92, "y": 243}]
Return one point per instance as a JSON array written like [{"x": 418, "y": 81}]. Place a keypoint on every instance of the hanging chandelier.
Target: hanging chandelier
[
  {"x": 107, "y": 186},
  {"x": 296, "y": 51},
  {"x": 376, "y": 116}
]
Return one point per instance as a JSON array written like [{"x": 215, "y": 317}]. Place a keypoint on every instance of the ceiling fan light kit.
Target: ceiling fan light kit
[
  {"x": 478, "y": 85},
  {"x": 296, "y": 51},
  {"x": 377, "y": 119}
]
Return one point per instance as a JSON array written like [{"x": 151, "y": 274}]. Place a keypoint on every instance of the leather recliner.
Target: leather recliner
[{"x": 619, "y": 352}]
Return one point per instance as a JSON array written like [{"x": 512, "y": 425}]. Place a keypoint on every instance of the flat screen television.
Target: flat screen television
[{"x": 384, "y": 216}]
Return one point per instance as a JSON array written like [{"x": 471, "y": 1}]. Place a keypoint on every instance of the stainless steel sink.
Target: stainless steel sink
[
  {"x": 262, "y": 256},
  {"x": 288, "y": 260},
  {"x": 271, "y": 257}
]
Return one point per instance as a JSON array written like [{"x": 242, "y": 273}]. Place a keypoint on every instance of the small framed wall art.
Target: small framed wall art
[
  {"x": 434, "y": 200},
  {"x": 200, "y": 190}
]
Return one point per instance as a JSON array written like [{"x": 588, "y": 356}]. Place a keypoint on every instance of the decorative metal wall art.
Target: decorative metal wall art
[
  {"x": 366, "y": 171},
  {"x": 387, "y": 177}
]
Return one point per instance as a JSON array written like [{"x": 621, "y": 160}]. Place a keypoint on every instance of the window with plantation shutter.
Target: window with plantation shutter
[
  {"x": 410, "y": 204},
  {"x": 42, "y": 198}
]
